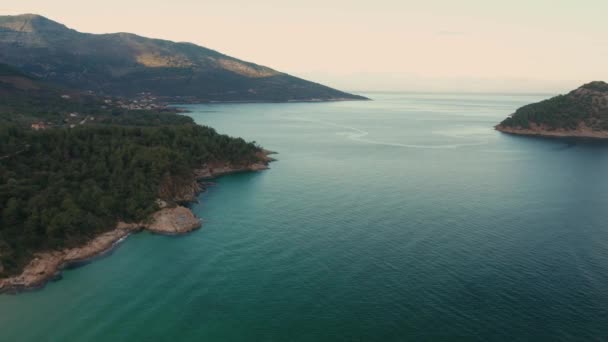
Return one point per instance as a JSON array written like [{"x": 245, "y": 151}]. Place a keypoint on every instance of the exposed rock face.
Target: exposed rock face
[
  {"x": 209, "y": 172},
  {"x": 186, "y": 190},
  {"x": 180, "y": 190},
  {"x": 214, "y": 170},
  {"x": 178, "y": 220},
  {"x": 582, "y": 131},
  {"x": 46, "y": 266}
]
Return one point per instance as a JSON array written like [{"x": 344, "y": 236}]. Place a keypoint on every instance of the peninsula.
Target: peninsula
[
  {"x": 581, "y": 113},
  {"x": 171, "y": 218},
  {"x": 79, "y": 173}
]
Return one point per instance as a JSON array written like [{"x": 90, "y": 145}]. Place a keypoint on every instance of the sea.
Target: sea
[{"x": 405, "y": 218}]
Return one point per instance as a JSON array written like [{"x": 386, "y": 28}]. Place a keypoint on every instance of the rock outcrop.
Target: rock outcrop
[
  {"x": 173, "y": 221},
  {"x": 581, "y": 131},
  {"x": 48, "y": 265},
  {"x": 214, "y": 170}
]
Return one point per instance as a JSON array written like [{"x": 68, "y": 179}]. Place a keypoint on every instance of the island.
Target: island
[
  {"x": 582, "y": 113},
  {"x": 80, "y": 172}
]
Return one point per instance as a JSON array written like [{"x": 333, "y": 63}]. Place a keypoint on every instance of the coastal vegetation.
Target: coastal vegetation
[
  {"x": 61, "y": 187},
  {"x": 73, "y": 164}
]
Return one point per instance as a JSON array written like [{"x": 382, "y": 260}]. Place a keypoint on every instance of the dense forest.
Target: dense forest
[
  {"x": 586, "y": 105},
  {"x": 60, "y": 187},
  {"x": 73, "y": 164}
]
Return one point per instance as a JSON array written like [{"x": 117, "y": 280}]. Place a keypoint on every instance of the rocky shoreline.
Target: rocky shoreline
[
  {"x": 169, "y": 220},
  {"x": 539, "y": 131},
  {"x": 47, "y": 266}
]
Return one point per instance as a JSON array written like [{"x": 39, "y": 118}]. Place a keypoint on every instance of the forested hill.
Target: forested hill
[
  {"x": 72, "y": 165},
  {"x": 61, "y": 187},
  {"x": 125, "y": 64},
  {"x": 583, "y": 111}
]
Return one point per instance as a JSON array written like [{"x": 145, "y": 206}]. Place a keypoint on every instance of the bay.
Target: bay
[{"x": 403, "y": 218}]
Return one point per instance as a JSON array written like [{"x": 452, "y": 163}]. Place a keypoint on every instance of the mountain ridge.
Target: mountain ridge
[{"x": 124, "y": 64}]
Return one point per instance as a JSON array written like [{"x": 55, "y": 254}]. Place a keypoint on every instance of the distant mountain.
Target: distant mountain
[
  {"x": 581, "y": 113},
  {"x": 124, "y": 64}
]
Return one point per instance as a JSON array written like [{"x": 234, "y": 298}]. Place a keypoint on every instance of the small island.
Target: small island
[{"x": 582, "y": 113}]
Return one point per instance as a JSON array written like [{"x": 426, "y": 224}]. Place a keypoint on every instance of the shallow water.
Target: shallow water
[{"x": 404, "y": 218}]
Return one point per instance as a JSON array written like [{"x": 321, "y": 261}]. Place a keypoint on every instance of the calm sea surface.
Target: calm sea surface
[{"x": 405, "y": 218}]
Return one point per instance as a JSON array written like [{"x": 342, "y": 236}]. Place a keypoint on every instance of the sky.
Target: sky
[{"x": 380, "y": 45}]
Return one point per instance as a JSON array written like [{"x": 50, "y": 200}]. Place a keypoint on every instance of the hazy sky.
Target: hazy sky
[{"x": 464, "y": 45}]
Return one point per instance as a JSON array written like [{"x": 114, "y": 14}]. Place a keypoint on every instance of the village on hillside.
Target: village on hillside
[{"x": 143, "y": 101}]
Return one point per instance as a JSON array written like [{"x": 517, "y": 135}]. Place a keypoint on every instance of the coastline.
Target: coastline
[
  {"x": 176, "y": 103},
  {"x": 581, "y": 132},
  {"x": 169, "y": 220}
]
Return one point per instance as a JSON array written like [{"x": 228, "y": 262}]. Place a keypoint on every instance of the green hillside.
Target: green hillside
[
  {"x": 73, "y": 164},
  {"x": 25, "y": 100}
]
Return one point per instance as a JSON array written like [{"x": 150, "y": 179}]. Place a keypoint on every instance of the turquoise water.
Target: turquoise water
[{"x": 405, "y": 218}]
